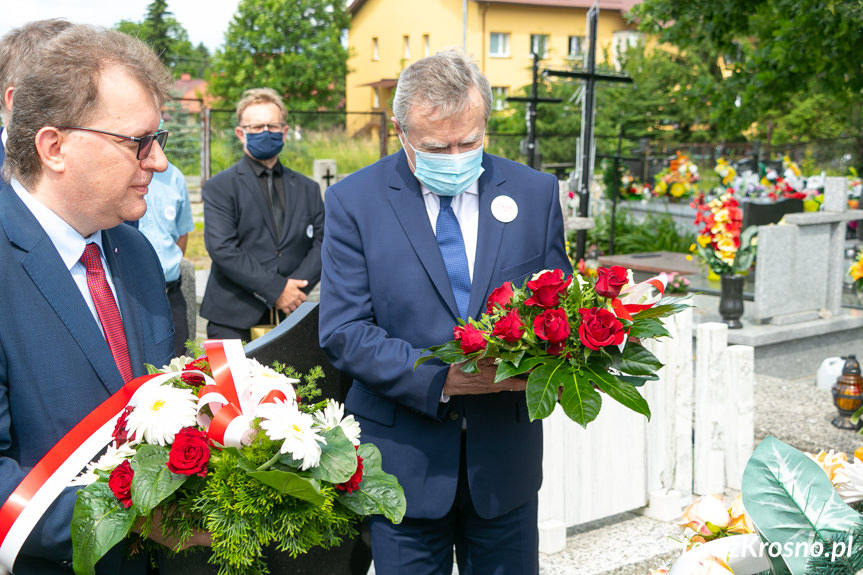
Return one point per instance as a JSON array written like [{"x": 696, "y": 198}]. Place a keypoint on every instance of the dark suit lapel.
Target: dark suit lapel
[
  {"x": 50, "y": 276},
  {"x": 489, "y": 236},
  {"x": 291, "y": 200},
  {"x": 407, "y": 203},
  {"x": 123, "y": 272}
]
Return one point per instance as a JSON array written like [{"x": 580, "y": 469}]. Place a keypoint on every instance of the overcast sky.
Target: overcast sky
[{"x": 205, "y": 20}]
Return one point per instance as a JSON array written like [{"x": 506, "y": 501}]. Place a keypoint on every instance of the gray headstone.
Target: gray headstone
[
  {"x": 835, "y": 194},
  {"x": 324, "y": 173}
]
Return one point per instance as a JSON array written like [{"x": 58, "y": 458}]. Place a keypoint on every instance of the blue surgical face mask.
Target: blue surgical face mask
[
  {"x": 447, "y": 174},
  {"x": 265, "y": 145}
]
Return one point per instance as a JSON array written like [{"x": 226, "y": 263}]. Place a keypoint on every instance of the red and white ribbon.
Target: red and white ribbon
[
  {"x": 639, "y": 297},
  {"x": 235, "y": 394},
  {"x": 48, "y": 478}
]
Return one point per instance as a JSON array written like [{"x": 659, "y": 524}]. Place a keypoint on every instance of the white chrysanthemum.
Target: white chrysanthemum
[
  {"x": 263, "y": 379},
  {"x": 284, "y": 421},
  {"x": 848, "y": 481},
  {"x": 332, "y": 416},
  {"x": 112, "y": 457},
  {"x": 177, "y": 364},
  {"x": 160, "y": 412}
]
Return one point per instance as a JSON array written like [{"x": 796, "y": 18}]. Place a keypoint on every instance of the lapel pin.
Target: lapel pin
[{"x": 504, "y": 209}]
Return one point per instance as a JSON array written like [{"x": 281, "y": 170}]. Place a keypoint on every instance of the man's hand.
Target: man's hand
[
  {"x": 292, "y": 296},
  {"x": 461, "y": 383},
  {"x": 199, "y": 538}
]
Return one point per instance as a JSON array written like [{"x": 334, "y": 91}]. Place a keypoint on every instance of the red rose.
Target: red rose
[
  {"x": 609, "y": 281},
  {"x": 190, "y": 453},
  {"x": 547, "y": 289},
  {"x": 552, "y": 325},
  {"x": 599, "y": 328},
  {"x": 509, "y": 328},
  {"x": 353, "y": 483},
  {"x": 121, "y": 434},
  {"x": 200, "y": 364},
  {"x": 120, "y": 483},
  {"x": 470, "y": 337},
  {"x": 501, "y": 296}
]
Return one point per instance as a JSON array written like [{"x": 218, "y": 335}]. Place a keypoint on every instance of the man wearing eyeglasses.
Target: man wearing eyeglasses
[
  {"x": 83, "y": 296},
  {"x": 263, "y": 227}
]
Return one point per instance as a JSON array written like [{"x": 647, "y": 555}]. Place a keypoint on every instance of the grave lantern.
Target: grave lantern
[{"x": 848, "y": 393}]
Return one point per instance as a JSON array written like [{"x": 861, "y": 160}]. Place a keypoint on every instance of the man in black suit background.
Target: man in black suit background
[{"x": 263, "y": 226}]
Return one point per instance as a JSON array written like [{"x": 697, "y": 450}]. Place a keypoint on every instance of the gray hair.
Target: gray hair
[
  {"x": 18, "y": 49},
  {"x": 62, "y": 88},
  {"x": 441, "y": 81},
  {"x": 255, "y": 96}
]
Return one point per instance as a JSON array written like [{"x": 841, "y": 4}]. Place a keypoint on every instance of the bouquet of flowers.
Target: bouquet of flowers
[
  {"x": 245, "y": 456},
  {"x": 573, "y": 335},
  {"x": 677, "y": 284},
  {"x": 720, "y": 243},
  {"x": 678, "y": 180},
  {"x": 632, "y": 189},
  {"x": 856, "y": 271}
]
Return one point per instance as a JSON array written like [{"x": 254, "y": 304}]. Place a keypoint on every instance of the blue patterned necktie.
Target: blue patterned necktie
[{"x": 451, "y": 244}]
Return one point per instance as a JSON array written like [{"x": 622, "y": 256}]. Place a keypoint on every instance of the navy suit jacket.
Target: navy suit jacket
[
  {"x": 385, "y": 296},
  {"x": 250, "y": 264},
  {"x": 55, "y": 365}
]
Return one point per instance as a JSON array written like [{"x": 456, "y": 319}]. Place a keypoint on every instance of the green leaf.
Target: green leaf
[
  {"x": 99, "y": 522},
  {"x": 506, "y": 370},
  {"x": 450, "y": 352},
  {"x": 637, "y": 360},
  {"x": 379, "y": 491},
  {"x": 637, "y": 380},
  {"x": 153, "y": 482},
  {"x": 648, "y": 328},
  {"x": 338, "y": 458},
  {"x": 542, "y": 386},
  {"x": 305, "y": 488},
  {"x": 618, "y": 390},
  {"x": 580, "y": 401},
  {"x": 791, "y": 500}
]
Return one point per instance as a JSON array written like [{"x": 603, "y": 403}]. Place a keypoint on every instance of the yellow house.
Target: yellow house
[{"x": 499, "y": 35}]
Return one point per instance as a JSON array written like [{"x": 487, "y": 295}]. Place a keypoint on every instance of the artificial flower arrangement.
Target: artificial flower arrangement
[
  {"x": 247, "y": 457},
  {"x": 797, "y": 514},
  {"x": 856, "y": 272},
  {"x": 574, "y": 336},
  {"x": 720, "y": 243},
  {"x": 677, "y": 284},
  {"x": 678, "y": 180},
  {"x": 632, "y": 189}
]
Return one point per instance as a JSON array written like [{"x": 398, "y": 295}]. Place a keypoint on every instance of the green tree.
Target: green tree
[
  {"x": 776, "y": 53},
  {"x": 170, "y": 40},
  {"x": 292, "y": 46}
]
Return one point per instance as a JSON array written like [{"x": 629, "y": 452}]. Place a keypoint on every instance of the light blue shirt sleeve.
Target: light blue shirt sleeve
[{"x": 168, "y": 217}]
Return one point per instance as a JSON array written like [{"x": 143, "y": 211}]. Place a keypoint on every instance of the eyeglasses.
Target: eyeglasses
[
  {"x": 145, "y": 143},
  {"x": 258, "y": 128}
]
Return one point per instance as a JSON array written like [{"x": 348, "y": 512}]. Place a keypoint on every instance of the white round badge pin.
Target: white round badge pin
[{"x": 504, "y": 209}]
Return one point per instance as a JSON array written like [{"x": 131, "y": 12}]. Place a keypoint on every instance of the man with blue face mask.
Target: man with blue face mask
[
  {"x": 414, "y": 243},
  {"x": 263, "y": 227}
]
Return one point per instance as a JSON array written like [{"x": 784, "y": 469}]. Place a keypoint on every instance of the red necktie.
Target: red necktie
[{"x": 106, "y": 308}]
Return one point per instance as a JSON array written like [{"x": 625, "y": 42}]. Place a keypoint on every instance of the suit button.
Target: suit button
[{"x": 454, "y": 416}]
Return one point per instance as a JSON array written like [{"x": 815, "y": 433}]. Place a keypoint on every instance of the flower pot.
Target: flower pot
[
  {"x": 731, "y": 300},
  {"x": 743, "y": 553}
]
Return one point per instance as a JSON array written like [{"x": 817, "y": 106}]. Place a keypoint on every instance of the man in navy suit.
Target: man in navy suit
[
  {"x": 83, "y": 143},
  {"x": 263, "y": 227},
  {"x": 18, "y": 48},
  {"x": 398, "y": 273}
]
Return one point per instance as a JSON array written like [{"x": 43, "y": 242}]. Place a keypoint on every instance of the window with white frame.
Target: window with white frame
[
  {"x": 426, "y": 45},
  {"x": 499, "y": 93},
  {"x": 407, "y": 48},
  {"x": 575, "y": 47},
  {"x": 376, "y": 55},
  {"x": 376, "y": 98},
  {"x": 539, "y": 45},
  {"x": 498, "y": 45}
]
